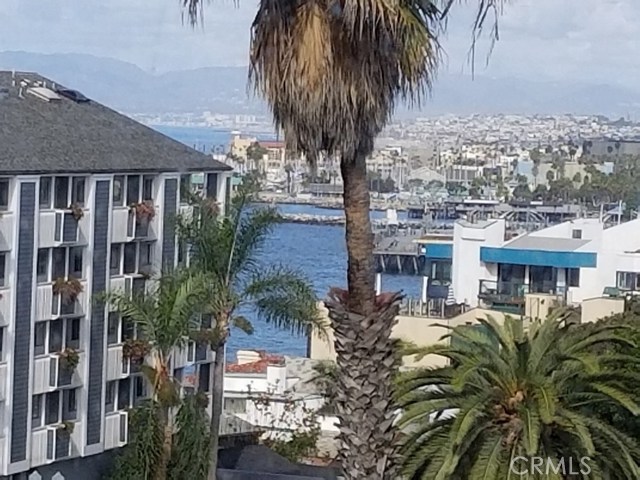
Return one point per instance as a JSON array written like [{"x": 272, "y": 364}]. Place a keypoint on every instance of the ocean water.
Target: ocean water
[{"x": 318, "y": 251}]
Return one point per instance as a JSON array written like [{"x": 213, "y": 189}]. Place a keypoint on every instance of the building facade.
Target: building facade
[{"x": 88, "y": 198}]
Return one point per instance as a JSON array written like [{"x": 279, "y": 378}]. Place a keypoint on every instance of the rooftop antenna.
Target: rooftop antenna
[{"x": 13, "y": 77}]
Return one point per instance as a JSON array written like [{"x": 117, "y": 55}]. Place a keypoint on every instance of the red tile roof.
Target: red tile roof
[
  {"x": 271, "y": 144},
  {"x": 259, "y": 366}
]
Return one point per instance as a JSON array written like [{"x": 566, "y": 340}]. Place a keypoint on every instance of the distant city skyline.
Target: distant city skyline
[{"x": 591, "y": 41}]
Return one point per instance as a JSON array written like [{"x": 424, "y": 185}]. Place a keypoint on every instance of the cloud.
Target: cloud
[{"x": 588, "y": 40}]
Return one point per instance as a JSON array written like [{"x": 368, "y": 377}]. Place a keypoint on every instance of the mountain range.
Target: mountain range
[{"x": 130, "y": 89}]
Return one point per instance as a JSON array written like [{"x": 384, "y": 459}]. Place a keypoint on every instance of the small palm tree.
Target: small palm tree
[
  {"x": 226, "y": 250},
  {"x": 510, "y": 393},
  {"x": 164, "y": 318}
]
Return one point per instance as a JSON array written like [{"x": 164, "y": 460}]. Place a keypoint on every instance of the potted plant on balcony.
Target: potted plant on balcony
[
  {"x": 68, "y": 288},
  {"x": 135, "y": 350},
  {"x": 66, "y": 428},
  {"x": 76, "y": 211},
  {"x": 144, "y": 210},
  {"x": 69, "y": 359}
]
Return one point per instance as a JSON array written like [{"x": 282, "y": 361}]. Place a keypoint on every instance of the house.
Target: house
[
  {"x": 87, "y": 196},
  {"x": 276, "y": 394}
]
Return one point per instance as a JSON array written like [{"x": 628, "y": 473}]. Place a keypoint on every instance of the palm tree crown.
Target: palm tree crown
[{"x": 509, "y": 394}]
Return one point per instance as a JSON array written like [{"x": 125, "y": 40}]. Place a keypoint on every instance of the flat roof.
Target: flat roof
[{"x": 552, "y": 244}]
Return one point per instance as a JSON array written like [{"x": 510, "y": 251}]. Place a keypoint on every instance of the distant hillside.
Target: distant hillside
[{"x": 128, "y": 88}]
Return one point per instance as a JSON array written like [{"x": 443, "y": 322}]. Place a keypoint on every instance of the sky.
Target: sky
[{"x": 591, "y": 41}]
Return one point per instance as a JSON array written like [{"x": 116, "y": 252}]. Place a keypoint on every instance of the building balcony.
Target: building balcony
[
  {"x": 59, "y": 227},
  {"x": 118, "y": 366},
  {"x": 50, "y": 373},
  {"x": 184, "y": 356},
  {"x": 50, "y": 305},
  {"x": 53, "y": 443},
  {"x": 128, "y": 284},
  {"x": 5, "y": 306},
  {"x": 507, "y": 296},
  {"x": 116, "y": 430},
  {"x": 130, "y": 225},
  {"x": 4, "y": 374},
  {"x": 7, "y": 233}
]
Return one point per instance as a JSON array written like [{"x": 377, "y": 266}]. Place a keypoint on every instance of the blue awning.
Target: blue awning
[{"x": 541, "y": 258}]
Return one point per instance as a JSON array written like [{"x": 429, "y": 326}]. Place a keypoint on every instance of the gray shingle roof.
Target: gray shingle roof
[
  {"x": 534, "y": 242},
  {"x": 64, "y": 136}
]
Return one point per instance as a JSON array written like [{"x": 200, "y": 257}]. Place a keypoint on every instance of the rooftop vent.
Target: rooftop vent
[
  {"x": 74, "y": 95},
  {"x": 44, "y": 94}
]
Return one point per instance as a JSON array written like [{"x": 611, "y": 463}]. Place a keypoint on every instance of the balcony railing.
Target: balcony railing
[
  {"x": 50, "y": 373},
  {"x": 437, "y": 307},
  {"x": 116, "y": 430},
  {"x": 503, "y": 293}
]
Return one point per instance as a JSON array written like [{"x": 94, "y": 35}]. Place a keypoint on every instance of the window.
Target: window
[
  {"x": 212, "y": 185},
  {"x": 36, "y": 410},
  {"x": 61, "y": 199},
  {"x": 627, "y": 280},
  {"x": 113, "y": 327},
  {"x": 128, "y": 329},
  {"x": 118, "y": 190},
  {"x": 124, "y": 393},
  {"x": 46, "y": 192},
  {"x": 52, "y": 408},
  {"x": 55, "y": 335},
  {"x": 5, "y": 186},
  {"x": 133, "y": 189},
  {"x": 42, "y": 268},
  {"x": 573, "y": 277},
  {"x": 204, "y": 377},
  {"x": 69, "y": 405},
  {"x": 72, "y": 334},
  {"x": 1, "y": 344},
  {"x": 147, "y": 187},
  {"x": 110, "y": 396},
  {"x": 75, "y": 261},
  {"x": 577, "y": 234},
  {"x": 146, "y": 256},
  {"x": 185, "y": 188},
  {"x": 59, "y": 263},
  {"x": 116, "y": 253},
  {"x": 77, "y": 190},
  {"x": 39, "y": 338},
  {"x": 130, "y": 258},
  {"x": 3, "y": 262}
]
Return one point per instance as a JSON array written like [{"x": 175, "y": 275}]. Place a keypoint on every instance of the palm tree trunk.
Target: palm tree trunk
[
  {"x": 361, "y": 271},
  {"x": 161, "y": 472},
  {"x": 366, "y": 357},
  {"x": 217, "y": 396}
]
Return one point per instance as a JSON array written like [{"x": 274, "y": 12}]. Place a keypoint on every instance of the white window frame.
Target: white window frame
[
  {"x": 67, "y": 257},
  {"x": 66, "y": 324}
]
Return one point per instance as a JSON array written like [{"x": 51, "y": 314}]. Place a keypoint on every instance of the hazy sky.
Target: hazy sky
[{"x": 586, "y": 40}]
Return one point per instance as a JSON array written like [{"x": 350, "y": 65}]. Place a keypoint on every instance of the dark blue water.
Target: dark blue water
[{"x": 316, "y": 250}]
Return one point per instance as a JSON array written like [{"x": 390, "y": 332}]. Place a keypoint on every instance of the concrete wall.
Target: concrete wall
[
  {"x": 598, "y": 308},
  {"x": 421, "y": 331},
  {"x": 467, "y": 269}
]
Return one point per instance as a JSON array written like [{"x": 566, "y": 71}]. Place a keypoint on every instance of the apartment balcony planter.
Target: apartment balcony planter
[
  {"x": 54, "y": 301},
  {"x": 63, "y": 227},
  {"x": 133, "y": 222},
  {"x": 116, "y": 430},
  {"x": 53, "y": 371},
  {"x": 4, "y": 374}
]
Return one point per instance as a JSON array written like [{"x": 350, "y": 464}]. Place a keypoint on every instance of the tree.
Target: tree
[
  {"x": 164, "y": 318},
  {"x": 256, "y": 152},
  {"x": 332, "y": 74},
  {"x": 226, "y": 249},
  {"x": 513, "y": 393}
]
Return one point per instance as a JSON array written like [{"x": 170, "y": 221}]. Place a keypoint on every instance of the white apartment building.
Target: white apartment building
[
  {"x": 574, "y": 261},
  {"x": 87, "y": 199}
]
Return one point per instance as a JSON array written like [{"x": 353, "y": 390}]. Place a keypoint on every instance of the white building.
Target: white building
[
  {"x": 273, "y": 392},
  {"x": 72, "y": 176},
  {"x": 575, "y": 261}
]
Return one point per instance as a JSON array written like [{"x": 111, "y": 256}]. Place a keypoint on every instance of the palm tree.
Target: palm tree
[
  {"x": 226, "y": 250},
  {"x": 164, "y": 318},
  {"x": 510, "y": 393},
  {"x": 332, "y": 74}
]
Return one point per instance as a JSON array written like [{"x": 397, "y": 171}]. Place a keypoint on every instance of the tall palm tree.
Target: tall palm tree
[
  {"x": 332, "y": 72},
  {"x": 510, "y": 394},
  {"x": 164, "y": 319},
  {"x": 226, "y": 250}
]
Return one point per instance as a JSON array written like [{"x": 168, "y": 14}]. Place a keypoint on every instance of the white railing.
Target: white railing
[
  {"x": 117, "y": 366},
  {"x": 58, "y": 227},
  {"x": 5, "y": 306},
  {"x": 44, "y": 302},
  {"x": 6, "y": 231},
  {"x": 50, "y": 306},
  {"x": 4, "y": 373},
  {"x": 44, "y": 445},
  {"x": 120, "y": 221},
  {"x": 49, "y": 374},
  {"x": 116, "y": 430}
]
